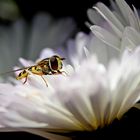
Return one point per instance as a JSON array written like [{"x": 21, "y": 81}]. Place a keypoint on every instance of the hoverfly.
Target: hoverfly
[{"x": 48, "y": 66}]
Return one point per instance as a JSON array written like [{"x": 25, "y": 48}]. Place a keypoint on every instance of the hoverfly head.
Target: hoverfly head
[{"x": 55, "y": 62}]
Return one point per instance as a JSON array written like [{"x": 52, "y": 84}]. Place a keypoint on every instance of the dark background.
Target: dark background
[
  {"x": 62, "y": 8},
  {"x": 130, "y": 123}
]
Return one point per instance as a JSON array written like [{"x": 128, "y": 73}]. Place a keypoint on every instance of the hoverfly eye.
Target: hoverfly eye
[{"x": 54, "y": 63}]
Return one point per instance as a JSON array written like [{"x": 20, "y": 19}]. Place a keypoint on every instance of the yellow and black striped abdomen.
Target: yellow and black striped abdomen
[
  {"x": 22, "y": 75},
  {"x": 36, "y": 70},
  {"x": 33, "y": 69}
]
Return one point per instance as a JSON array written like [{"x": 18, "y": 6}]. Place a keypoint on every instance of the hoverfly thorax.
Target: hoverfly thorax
[{"x": 55, "y": 63}]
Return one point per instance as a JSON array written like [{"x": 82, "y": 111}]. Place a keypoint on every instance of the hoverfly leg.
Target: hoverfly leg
[
  {"x": 44, "y": 80},
  {"x": 25, "y": 80},
  {"x": 62, "y": 72}
]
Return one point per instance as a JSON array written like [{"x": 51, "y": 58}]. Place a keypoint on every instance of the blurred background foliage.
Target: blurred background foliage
[{"x": 9, "y": 10}]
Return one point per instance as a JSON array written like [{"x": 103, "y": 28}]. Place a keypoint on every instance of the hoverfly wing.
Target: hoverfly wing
[
  {"x": 43, "y": 61},
  {"x": 20, "y": 69}
]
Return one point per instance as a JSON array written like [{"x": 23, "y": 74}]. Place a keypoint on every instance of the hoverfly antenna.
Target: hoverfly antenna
[{"x": 63, "y": 58}]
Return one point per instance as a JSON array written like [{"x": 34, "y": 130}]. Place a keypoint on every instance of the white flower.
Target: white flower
[
  {"x": 92, "y": 96},
  {"x": 23, "y": 40},
  {"x": 119, "y": 28}
]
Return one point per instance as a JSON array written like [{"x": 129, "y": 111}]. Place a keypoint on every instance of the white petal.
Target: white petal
[
  {"x": 128, "y": 14},
  {"x": 137, "y": 17},
  {"x": 137, "y": 105},
  {"x": 130, "y": 39},
  {"x": 47, "y": 52},
  {"x": 106, "y": 36},
  {"x": 116, "y": 10},
  {"x": 110, "y": 18},
  {"x": 26, "y": 63},
  {"x": 95, "y": 17},
  {"x": 101, "y": 50}
]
